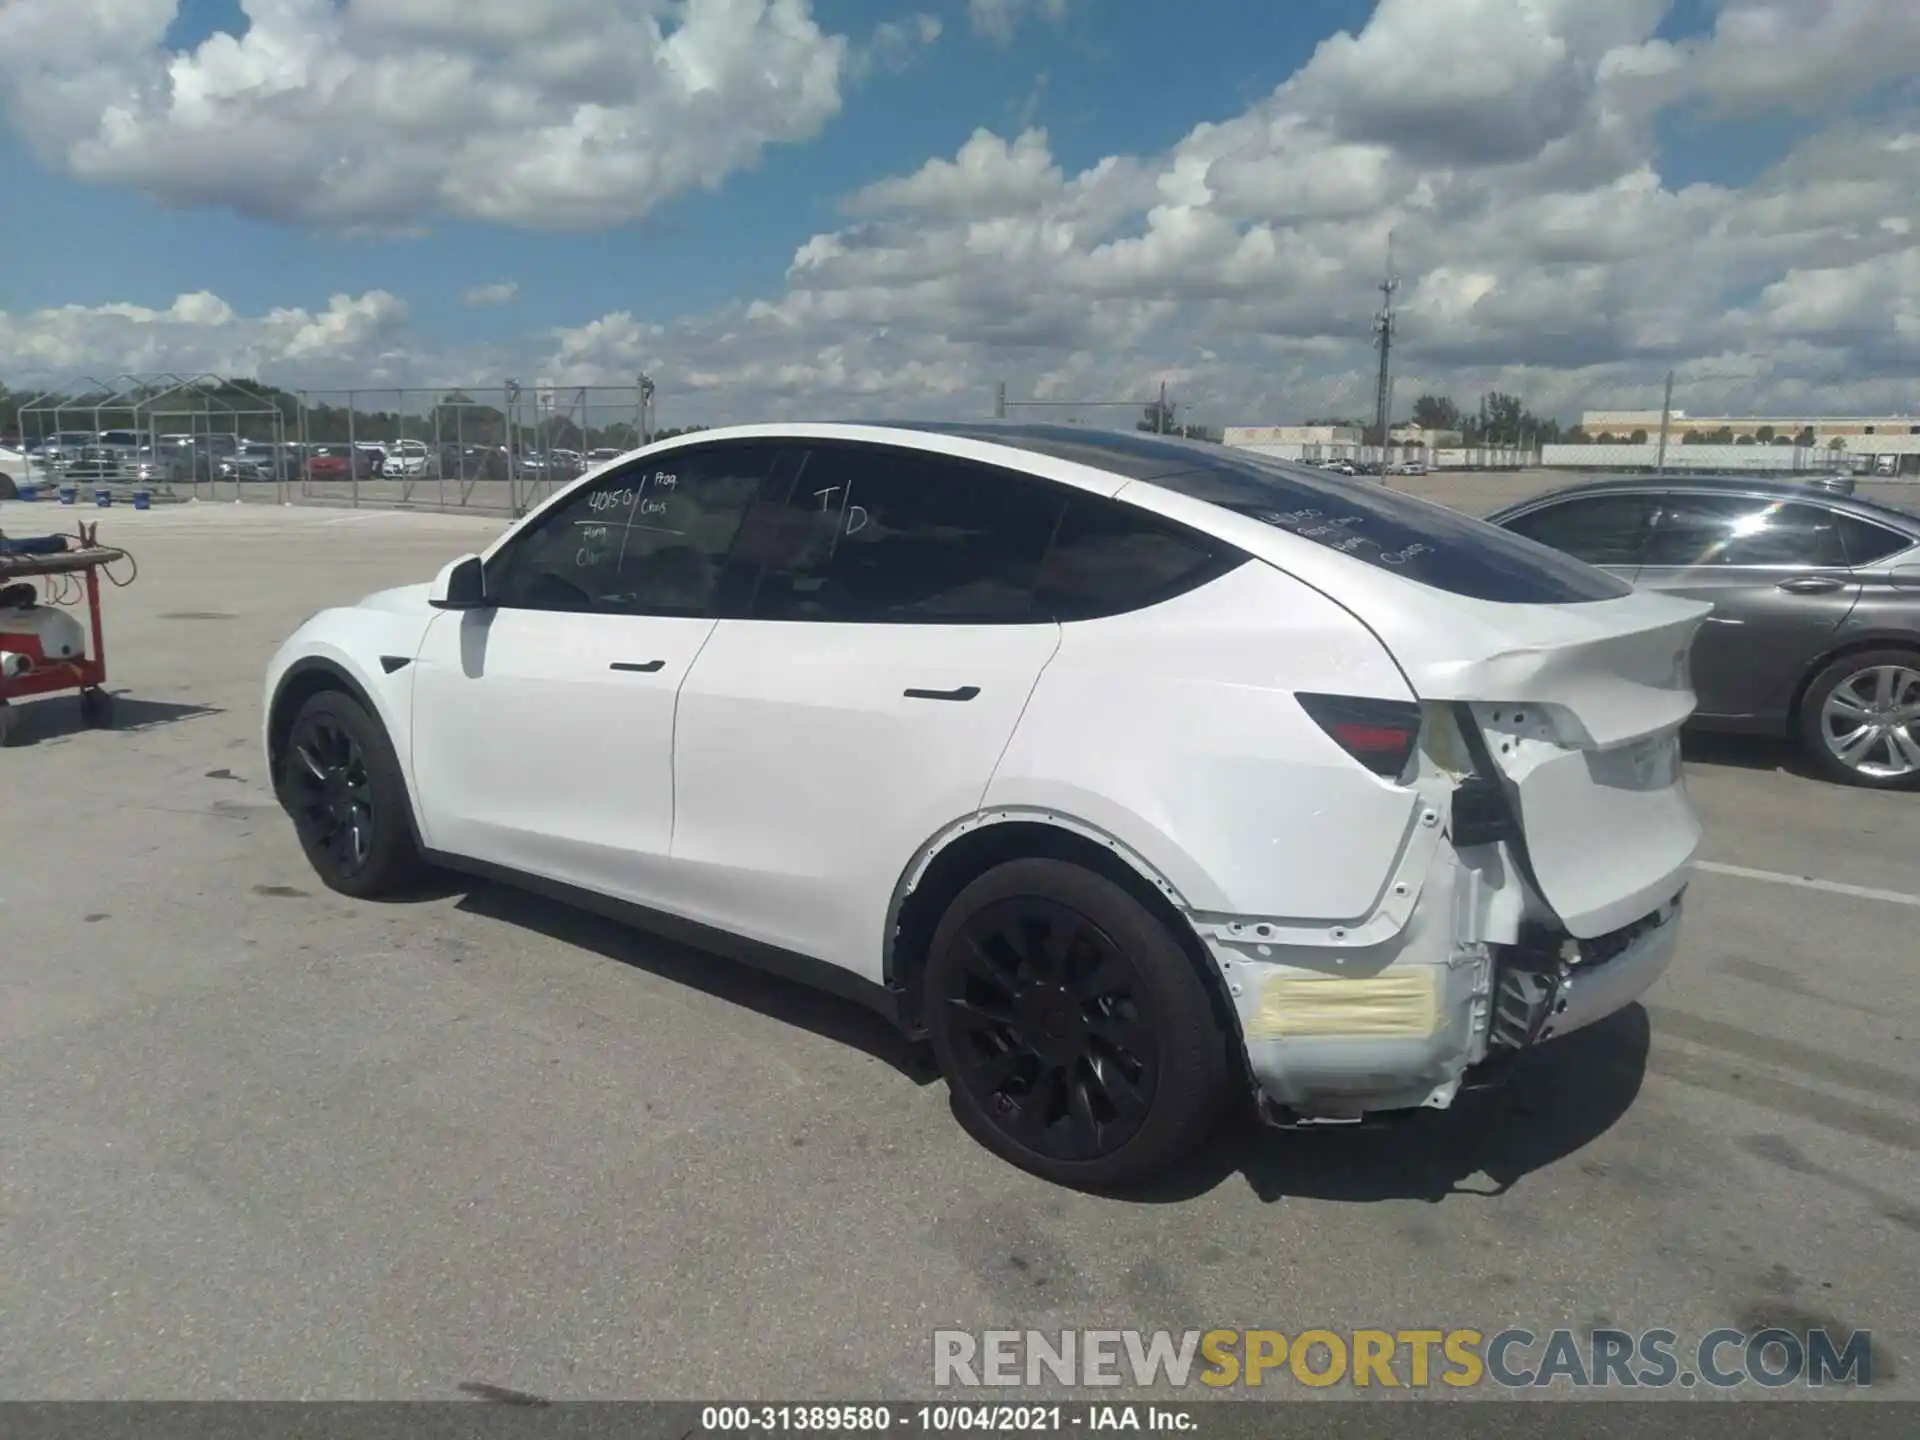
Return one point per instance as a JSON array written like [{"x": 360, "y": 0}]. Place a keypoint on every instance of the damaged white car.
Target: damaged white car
[{"x": 1125, "y": 770}]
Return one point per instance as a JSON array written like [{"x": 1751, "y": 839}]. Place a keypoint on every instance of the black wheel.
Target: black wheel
[
  {"x": 341, "y": 783},
  {"x": 1860, "y": 720},
  {"x": 1074, "y": 1033},
  {"x": 96, "y": 706}
]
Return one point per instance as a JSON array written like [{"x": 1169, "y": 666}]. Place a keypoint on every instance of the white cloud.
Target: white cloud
[
  {"x": 1805, "y": 53},
  {"x": 389, "y": 113},
  {"x": 1543, "y": 251},
  {"x": 897, "y": 44},
  {"x": 500, "y": 292},
  {"x": 999, "y": 19}
]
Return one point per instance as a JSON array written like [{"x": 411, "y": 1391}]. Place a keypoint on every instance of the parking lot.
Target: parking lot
[{"x": 257, "y": 1140}]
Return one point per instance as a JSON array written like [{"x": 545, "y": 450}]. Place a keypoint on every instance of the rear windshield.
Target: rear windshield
[{"x": 1423, "y": 541}]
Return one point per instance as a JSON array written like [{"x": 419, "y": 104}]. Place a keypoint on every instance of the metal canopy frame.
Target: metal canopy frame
[{"x": 203, "y": 405}]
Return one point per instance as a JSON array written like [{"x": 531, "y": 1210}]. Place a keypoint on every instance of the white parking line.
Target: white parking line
[{"x": 1808, "y": 882}]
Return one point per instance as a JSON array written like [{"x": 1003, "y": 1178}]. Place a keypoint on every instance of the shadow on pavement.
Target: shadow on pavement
[
  {"x": 1560, "y": 1099},
  {"x": 1746, "y": 752},
  {"x": 786, "y": 1001},
  {"x": 57, "y": 717},
  {"x": 1565, "y": 1095}
]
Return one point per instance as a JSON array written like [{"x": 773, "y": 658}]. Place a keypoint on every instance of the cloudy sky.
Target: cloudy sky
[{"x": 871, "y": 207}]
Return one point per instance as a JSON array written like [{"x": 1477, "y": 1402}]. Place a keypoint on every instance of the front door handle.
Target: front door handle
[
  {"x": 1811, "y": 585},
  {"x": 637, "y": 668},
  {"x": 965, "y": 692}
]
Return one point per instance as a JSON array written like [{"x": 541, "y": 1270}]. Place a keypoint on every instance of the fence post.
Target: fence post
[{"x": 353, "y": 454}]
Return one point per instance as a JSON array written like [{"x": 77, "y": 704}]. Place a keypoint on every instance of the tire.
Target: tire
[
  {"x": 96, "y": 707},
  {"x": 1853, "y": 685},
  {"x": 341, "y": 784},
  {"x": 1104, "y": 1081}
]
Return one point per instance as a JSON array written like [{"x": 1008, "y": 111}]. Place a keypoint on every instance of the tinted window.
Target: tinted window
[
  {"x": 876, "y": 536},
  {"x": 1866, "y": 542},
  {"x": 1425, "y": 542},
  {"x": 1599, "y": 529},
  {"x": 1694, "y": 530},
  {"x": 649, "y": 539},
  {"x": 1107, "y": 558}
]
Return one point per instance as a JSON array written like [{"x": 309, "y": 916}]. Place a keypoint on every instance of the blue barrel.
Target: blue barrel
[
  {"x": 27, "y": 492},
  {"x": 69, "y": 494},
  {"x": 103, "y": 497},
  {"x": 143, "y": 499}
]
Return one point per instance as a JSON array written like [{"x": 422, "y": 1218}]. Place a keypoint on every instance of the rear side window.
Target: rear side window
[
  {"x": 1427, "y": 543},
  {"x": 1599, "y": 529},
  {"x": 1865, "y": 542},
  {"x": 1108, "y": 558},
  {"x": 877, "y": 536},
  {"x": 1736, "y": 530}
]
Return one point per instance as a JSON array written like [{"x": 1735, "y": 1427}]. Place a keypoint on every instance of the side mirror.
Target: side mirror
[{"x": 462, "y": 585}]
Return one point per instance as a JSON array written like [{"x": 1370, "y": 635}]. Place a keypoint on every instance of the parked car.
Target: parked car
[
  {"x": 1815, "y": 631},
  {"x": 1124, "y": 769},
  {"x": 597, "y": 458},
  {"x": 407, "y": 459},
  {"x": 339, "y": 462}
]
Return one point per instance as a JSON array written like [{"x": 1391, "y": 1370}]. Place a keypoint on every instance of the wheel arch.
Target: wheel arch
[
  {"x": 313, "y": 675},
  {"x": 1853, "y": 645},
  {"x": 967, "y": 849}
]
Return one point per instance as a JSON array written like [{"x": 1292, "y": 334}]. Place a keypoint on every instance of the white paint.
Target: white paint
[
  {"x": 1807, "y": 882},
  {"x": 773, "y": 779}
]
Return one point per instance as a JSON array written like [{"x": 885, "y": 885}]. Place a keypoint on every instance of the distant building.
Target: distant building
[
  {"x": 1820, "y": 430},
  {"x": 1886, "y": 445}
]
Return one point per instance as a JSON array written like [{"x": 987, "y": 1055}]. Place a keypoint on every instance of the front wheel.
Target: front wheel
[
  {"x": 1860, "y": 720},
  {"x": 341, "y": 783},
  {"x": 1073, "y": 1031}
]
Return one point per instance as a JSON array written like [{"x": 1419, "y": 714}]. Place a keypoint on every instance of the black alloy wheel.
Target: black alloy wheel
[
  {"x": 1076, "y": 1035},
  {"x": 332, "y": 791},
  {"x": 341, "y": 783},
  {"x": 1047, "y": 1029}
]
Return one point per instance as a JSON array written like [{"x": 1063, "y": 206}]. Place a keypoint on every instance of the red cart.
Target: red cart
[{"x": 31, "y": 663}]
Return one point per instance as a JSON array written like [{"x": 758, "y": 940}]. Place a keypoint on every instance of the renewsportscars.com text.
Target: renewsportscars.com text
[{"x": 1514, "y": 1358}]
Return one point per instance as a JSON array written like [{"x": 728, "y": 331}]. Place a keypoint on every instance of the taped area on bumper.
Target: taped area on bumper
[{"x": 1403, "y": 1004}]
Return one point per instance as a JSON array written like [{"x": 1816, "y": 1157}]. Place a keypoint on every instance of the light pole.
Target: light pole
[{"x": 646, "y": 409}]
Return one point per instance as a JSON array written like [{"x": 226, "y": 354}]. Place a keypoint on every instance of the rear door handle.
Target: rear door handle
[
  {"x": 638, "y": 669},
  {"x": 965, "y": 692},
  {"x": 1811, "y": 585}
]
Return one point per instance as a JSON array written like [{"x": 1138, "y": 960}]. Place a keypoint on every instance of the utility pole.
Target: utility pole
[
  {"x": 1666, "y": 415},
  {"x": 1160, "y": 415},
  {"x": 1383, "y": 328},
  {"x": 1000, "y": 401}
]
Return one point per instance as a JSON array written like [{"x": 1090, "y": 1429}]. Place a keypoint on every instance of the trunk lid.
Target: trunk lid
[{"x": 1577, "y": 710}]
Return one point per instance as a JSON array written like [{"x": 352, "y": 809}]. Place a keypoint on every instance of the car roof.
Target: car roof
[{"x": 1763, "y": 487}]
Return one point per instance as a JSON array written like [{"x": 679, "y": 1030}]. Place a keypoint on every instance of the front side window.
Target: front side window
[
  {"x": 1599, "y": 529},
  {"x": 870, "y": 535},
  {"x": 1728, "y": 530},
  {"x": 651, "y": 538}
]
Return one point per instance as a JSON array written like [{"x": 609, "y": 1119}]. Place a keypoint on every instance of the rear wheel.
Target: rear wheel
[
  {"x": 1860, "y": 720},
  {"x": 341, "y": 783},
  {"x": 1074, "y": 1033}
]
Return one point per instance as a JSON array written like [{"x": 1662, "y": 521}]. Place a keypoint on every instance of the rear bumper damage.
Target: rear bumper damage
[{"x": 1340, "y": 1034}]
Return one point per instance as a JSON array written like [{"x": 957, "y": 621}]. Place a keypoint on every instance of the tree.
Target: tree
[
  {"x": 1436, "y": 412},
  {"x": 1639, "y": 437},
  {"x": 1837, "y": 443},
  {"x": 1764, "y": 434},
  {"x": 1805, "y": 438},
  {"x": 1159, "y": 417}
]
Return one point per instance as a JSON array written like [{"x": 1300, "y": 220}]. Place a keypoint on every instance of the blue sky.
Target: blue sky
[
  {"x": 1082, "y": 81},
  {"x": 1273, "y": 256}
]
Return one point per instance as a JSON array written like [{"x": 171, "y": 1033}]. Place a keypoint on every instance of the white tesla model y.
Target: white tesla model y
[{"x": 1123, "y": 770}]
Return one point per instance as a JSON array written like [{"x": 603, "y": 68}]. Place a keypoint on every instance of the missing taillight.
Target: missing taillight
[{"x": 1380, "y": 734}]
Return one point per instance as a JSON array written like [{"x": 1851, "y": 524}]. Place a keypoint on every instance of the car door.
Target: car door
[
  {"x": 543, "y": 723},
  {"x": 863, "y": 705},
  {"x": 1776, "y": 574},
  {"x": 1606, "y": 530}
]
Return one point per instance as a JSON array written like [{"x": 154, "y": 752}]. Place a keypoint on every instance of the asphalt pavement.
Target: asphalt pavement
[{"x": 258, "y": 1140}]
